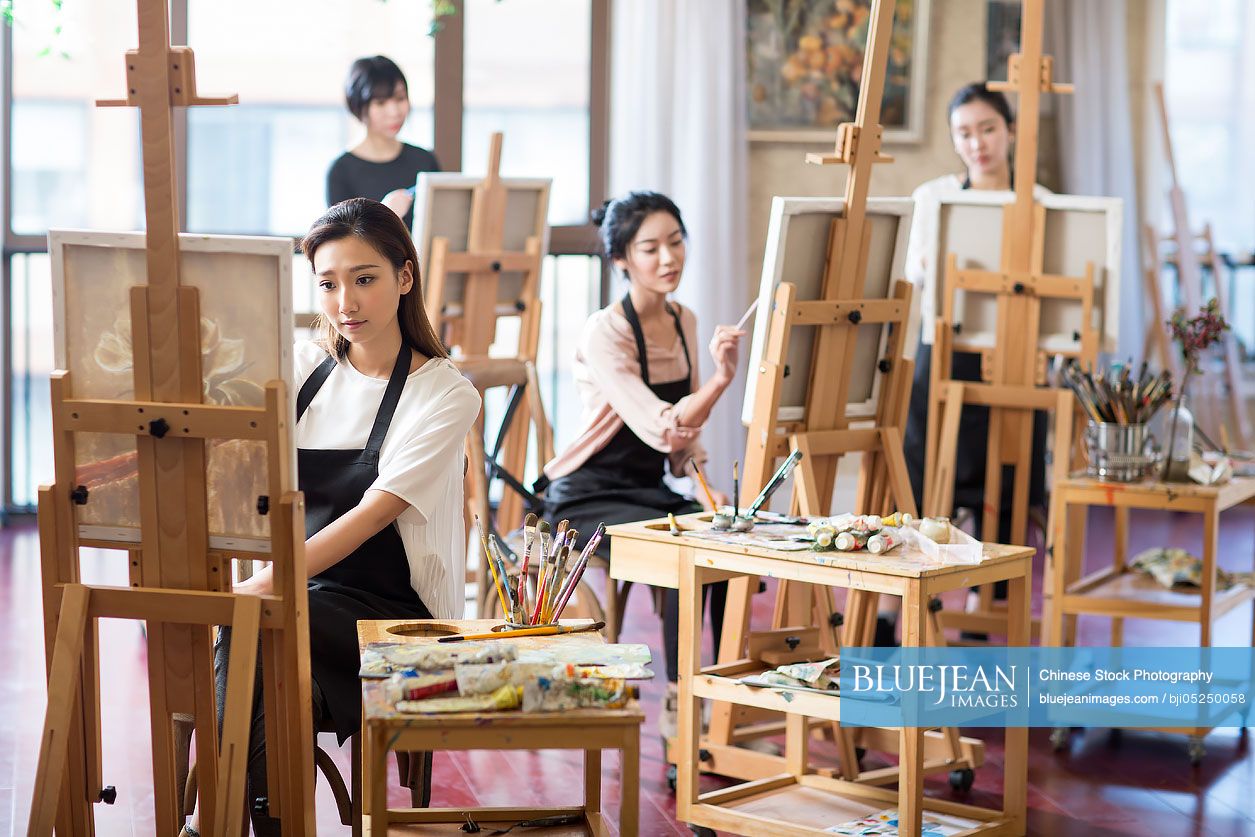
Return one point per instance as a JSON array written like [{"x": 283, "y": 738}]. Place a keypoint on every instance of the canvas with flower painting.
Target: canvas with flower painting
[
  {"x": 805, "y": 62},
  {"x": 246, "y": 330}
]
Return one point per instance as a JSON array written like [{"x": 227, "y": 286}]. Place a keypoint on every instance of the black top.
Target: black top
[{"x": 352, "y": 177}]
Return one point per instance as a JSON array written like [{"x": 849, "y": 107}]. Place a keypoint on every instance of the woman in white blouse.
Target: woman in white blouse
[
  {"x": 982, "y": 128},
  {"x": 382, "y": 416},
  {"x": 644, "y": 401}
]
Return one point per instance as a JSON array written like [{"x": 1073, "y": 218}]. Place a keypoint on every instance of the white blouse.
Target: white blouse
[
  {"x": 919, "y": 270},
  {"x": 421, "y": 460}
]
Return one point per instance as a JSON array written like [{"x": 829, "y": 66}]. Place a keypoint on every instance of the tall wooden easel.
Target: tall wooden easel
[
  {"x": 178, "y": 585},
  {"x": 804, "y": 623},
  {"x": 1012, "y": 393},
  {"x": 473, "y": 328},
  {"x": 1190, "y": 279}
]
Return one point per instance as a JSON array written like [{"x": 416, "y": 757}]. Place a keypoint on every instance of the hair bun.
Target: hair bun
[{"x": 598, "y": 215}]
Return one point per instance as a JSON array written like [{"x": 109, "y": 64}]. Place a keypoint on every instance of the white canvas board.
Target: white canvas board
[
  {"x": 797, "y": 249},
  {"x": 1079, "y": 230},
  {"x": 246, "y": 341},
  {"x": 442, "y": 207}
]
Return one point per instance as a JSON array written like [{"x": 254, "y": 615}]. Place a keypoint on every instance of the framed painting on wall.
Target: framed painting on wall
[{"x": 804, "y": 60}]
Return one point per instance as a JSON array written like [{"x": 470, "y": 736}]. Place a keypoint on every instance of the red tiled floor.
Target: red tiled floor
[{"x": 1141, "y": 784}]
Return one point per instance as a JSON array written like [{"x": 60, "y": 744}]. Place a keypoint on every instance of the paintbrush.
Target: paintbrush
[
  {"x": 777, "y": 479},
  {"x": 542, "y": 534},
  {"x": 740, "y": 324},
  {"x": 559, "y": 574},
  {"x": 539, "y": 630},
  {"x": 529, "y": 539},
  {"x": 736, "y": 489},
  {"x": 492, "y": 566},
  {"x": 702, "y": 480},
  {"x": 573, "y": 578}
]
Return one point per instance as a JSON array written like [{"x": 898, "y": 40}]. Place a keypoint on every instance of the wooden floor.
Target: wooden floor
[{"x": 1141, "y": 784}]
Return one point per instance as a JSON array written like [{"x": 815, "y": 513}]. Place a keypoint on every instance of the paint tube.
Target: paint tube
[
  {"x": 851, "y": 540},
  {"x": 507, "y": 697},
  {"x": 551, "y": 694},
  {"x": 883, "y": 541},
  {"x": 427, "y": 657},
  {"x": 402, "y": 687},
  {"x": 486, "y": 678}
]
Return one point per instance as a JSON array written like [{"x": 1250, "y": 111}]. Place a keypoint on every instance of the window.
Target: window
[
  {"x": 527, "y": 74},
  {"x": 72, "y": 164},
  {"x": 536, "y": 71},
  {"x": 260, "y": 167},
  {"x": 1209, "y": 85}
]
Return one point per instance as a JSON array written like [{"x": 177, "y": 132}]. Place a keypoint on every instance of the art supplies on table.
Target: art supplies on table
[
  {"x": 781, "y": 537},
  {"x": 856, "y": 532},
  {"x": 885, "y": 824},
  {"x": 553, "y": 694},
  {"x": 1114, "y": 397},
  {"x": 538, "y": 630},
  {"x": 777, "y": 479},
  {"x": 1177, "y": 568},
  {"x": 491, "y": 676},
  {"x": 958, "y": 548},
  {"x": 819, "y": 676},
  {"x": 507, "y": 697},
  {"x": 549, "y": 550}
]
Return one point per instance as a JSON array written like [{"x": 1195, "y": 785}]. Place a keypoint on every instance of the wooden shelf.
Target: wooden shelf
[
  {"x": 1134, "y": 595},
  {"x": 809, "y": 804}
]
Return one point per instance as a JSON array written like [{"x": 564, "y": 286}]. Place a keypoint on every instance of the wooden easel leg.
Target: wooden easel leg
[
  {"x": 54, "y": 748},
  {"x": 236, "y": 716},
  {"x": 941, "y": 497},
  {"x": 736, "y": 623},
  {"x": 168, "y": 802}
]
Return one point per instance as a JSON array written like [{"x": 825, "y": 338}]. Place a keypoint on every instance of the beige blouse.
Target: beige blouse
[{"x": 607, "y": 376}]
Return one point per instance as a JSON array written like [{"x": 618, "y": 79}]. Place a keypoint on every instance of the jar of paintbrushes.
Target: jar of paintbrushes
[{"x": 1119, "y": 445}]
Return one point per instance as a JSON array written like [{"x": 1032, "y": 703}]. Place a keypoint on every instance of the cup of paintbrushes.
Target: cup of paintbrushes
[{"x": 1118, "y": 452}]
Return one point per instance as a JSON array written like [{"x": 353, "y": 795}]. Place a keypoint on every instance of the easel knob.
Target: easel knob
[
  {"x": 108, "y": 794},
  {"x": 79, "y": 495},
  {"x": 159, "y": 427}
]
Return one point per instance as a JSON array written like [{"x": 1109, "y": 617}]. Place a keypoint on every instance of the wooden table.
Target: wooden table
[
  {"x": 590, "y": 730},
  {"x": 1118, "y": 592},
  {"x": 799, "y": 800}
]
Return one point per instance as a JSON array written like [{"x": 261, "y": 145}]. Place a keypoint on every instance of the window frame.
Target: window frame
[{"x": 449, "y": 53}]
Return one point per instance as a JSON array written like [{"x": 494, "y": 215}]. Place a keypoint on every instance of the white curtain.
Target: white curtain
[
  {"x": 678, "y": 126},
  {"x": 1089, "y": 42}
]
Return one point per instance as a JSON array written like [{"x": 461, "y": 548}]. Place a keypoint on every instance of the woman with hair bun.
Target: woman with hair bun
[{"x": 644, "y": 401}]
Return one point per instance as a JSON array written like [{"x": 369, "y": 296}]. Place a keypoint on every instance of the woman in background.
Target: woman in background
[
  {"x": 982, "y": 128},
  {"x": 380, "y": 167}
]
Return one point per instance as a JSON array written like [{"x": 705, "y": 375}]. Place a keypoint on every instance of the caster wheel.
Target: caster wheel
[
  {"x": 109, "y": 794},
  {"x": 672, "y": 773},
  {"x": 1059, "y": 738},
  {"x": 702, "y": 831},
  {"x": 1196, "y": 751},
  {"x": 961, "y": 780}
]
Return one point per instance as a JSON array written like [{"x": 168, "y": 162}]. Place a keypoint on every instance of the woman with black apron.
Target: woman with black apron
[
  {"x": 644, "y": 404},
  {"x": 381, "y": 421}
]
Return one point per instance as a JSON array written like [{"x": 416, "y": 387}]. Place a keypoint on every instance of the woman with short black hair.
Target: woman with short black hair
[{"x": 380, "y": 167}]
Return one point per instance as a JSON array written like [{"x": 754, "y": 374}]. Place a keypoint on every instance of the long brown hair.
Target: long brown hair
[{"x": 381, "y": 228}]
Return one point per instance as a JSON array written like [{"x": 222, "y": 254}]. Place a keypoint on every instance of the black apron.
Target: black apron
[
  {"x": 371, "y": 583},
  {"x": 622, "y": 482}
]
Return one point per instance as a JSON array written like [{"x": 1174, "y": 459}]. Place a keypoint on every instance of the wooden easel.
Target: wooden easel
[
  {"x": 1156, "y": 343},
  {"x": 178, "y": 585},
  {"x": 804, "y": 623},
  {"x": 1017, "y": 366},
  {"x": 1190, "y": 280},
  {"x": 472, "y": 330}
]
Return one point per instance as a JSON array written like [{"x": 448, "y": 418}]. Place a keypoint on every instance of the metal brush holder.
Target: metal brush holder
[{"x": 1119, "y": 452}]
